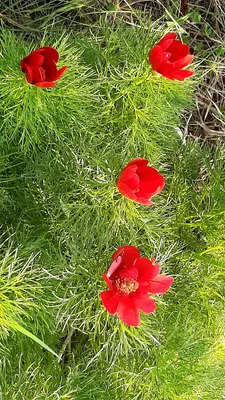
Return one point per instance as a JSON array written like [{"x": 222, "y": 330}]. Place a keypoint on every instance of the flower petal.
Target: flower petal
[
  {"x": 38, "y": 75},
  {"x": 178, "y": 50},
  {"x": 156, "y": 57},
  {"x": 130, "y": 273},
  {"x": 107, "y": 281},
  {"x": 45, "y": 84},
  {"x": 27, "y": 70},
  {"x": 180, "y": 75},
  {"x": 50, "y": 52},
  {"x": 160, "y": 284},
  {"x": 144, "y": 201},
  {"x": 127, "y": 173},
  {"x": 60, "y": 72},
  {"x": 49, "y": 66},
  {"x": 126, "y": 191},
  {"x": 166, "y": 67},
  {"x": 183, "y": 62},
  {"x": 148, "y": 173},
  {"x": 114, "y": 266},
  {"x": 128, "y": 253},
  {"x": 170, "y": 67},
  {"x": 146, "y": 269},
  {"x": 133, "y": 183},
  {"x": 151, "y": 182},
  {"x": 167, "y": 40},
  {"x": 127, "y": 311},
  {"x": 138, "y": 162},
  {"x": 110, "y": 300},
  {"x": 145, "y": 303},
  {"x": 34, "y": 59}
]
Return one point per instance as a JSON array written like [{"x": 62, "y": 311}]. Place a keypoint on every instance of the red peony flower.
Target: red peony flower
[
  {"x": 170, "y": 56},
  {"x": 40, "y": 67},
  {"x": 132, "y": 280},
  {"x": 139, "y": 182}
]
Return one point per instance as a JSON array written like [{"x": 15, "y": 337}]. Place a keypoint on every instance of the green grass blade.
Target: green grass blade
[{"x": 24, "y": 331}]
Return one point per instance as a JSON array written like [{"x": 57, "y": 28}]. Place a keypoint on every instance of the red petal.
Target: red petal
[
  {"x": 133, "y": 183},
  {"x": 143, "y": 290},
  {"x": 183, "y": 74},
  {"x": 128, "y": 312},
  {"x": 27, "y": 70},
  {"x": 110, "y": 300},
  {"x": 23, "y": 66},
  {"x": 45, "y": 84},
  {"x": 38, "y": 75},
  {"x": 107, "y": 281},
  {"x": 130, "y": 273},
  {"x": 166, "y": 67},
  {"x": 151, "y": 182},
  {"x": 144, "y": 201},
  {"x": 160, "y": 284},
  {"x": 122, "y": 184},
  {"x": 114, "y": 266},
  {"x": 148, "y": 173},
  {"x": 148, "y": 190},
  {"x": 146, "y": 270},
  {"x": 145, "y": 303},
  {"x": 49, "y": 66},
  {"x": 167, "y": 40},
  {"x": 126, "y": 191},
  {"x": 180, "y": 75},
  {"x": 35, "y": 59},
  {"x": 156, "y": 57},
  {"x": 178, "y": 50},
  {"x": 183, "y": 62},
  {"x": 138, "y": 162},
  {"x": 127, "y": 173},
  {"x": 51, "y": 52},
  {"x": 128, "y": 253},
  {"x": 60, "y": 72},
  {"x": 168, "y": 75}
]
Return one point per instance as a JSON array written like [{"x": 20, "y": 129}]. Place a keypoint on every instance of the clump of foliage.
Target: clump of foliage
[{"x": 62, "y": 150}]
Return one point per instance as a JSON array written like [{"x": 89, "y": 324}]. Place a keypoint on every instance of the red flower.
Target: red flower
[
  {"x": 139, "y": 182},
  {"x": 170, "y": 56},
  {"x": 132, "y": 280},
  {"x": 40, "y": 67}
]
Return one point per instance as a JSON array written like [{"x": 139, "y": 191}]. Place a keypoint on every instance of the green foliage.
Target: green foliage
[
  {"x": 21, "y": 295},
  {"x": 34, "y": 113},
  {"x": 62, "y": 150}
]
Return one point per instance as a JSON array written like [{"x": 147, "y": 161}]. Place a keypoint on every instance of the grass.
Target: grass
[{"x": 62, "y": 150}]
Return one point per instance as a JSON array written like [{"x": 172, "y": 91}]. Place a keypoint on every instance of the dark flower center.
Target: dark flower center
[{"x": 126, "y": 285}]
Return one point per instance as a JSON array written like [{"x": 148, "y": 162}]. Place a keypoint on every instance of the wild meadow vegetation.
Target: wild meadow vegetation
[{"x": 62, "y": 217}]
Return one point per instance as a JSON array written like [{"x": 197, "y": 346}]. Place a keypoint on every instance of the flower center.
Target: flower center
[{"x": 126, "y": 285}]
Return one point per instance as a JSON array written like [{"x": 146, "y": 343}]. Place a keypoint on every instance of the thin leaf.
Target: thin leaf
[{"x": 21, "y": 329}]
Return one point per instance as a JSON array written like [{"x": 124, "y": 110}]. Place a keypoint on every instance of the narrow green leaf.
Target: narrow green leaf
[{"x": 21, "y": 329}]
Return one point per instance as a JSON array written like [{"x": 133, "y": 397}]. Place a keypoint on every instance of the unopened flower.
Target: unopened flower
[
  {"x": 139, "y": 182},
  {"x": 132, "y": 280},
  {"x": 40, "y": 67},
  {"x": 183, "y": 7},
  {"x": 170, "y": 56}
]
